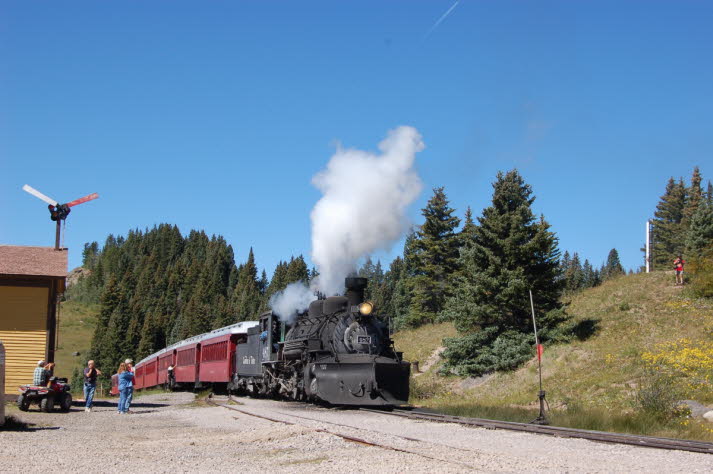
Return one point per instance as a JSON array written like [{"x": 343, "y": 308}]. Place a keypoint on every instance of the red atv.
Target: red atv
[{"x": 46, "y": 397}]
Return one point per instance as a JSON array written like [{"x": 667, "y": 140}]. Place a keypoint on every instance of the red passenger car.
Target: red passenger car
[
  {"x": 139, "y": 376},
  {"x": 207, "y": 358},
  {"x": 187, "y": 362},
  {"x": 151, "y": 373},
  {"x": 216, "y": 361},
  {"x": 164, "y": 361}
]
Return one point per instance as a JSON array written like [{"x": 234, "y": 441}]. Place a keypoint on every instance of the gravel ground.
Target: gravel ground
[{"x": 170, "y": 432}]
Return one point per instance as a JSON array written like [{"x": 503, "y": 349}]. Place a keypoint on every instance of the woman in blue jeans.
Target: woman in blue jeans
[{"x": 126, "y": 386}]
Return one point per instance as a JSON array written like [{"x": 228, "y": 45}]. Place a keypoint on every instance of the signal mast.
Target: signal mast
[{"x": 58, "y": 212}]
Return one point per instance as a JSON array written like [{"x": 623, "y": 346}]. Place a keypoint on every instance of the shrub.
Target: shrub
[
  {"x": 702, "y": 275},
  {"x": 425, "y": 388},
  {"x": 486, "y": 351},
  {"x": 658, "y": 398}
]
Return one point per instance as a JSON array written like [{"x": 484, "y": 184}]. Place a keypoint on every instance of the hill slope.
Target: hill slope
[
  {"x": 76, "y": 328},
  {"x": 653, "y": 344}
]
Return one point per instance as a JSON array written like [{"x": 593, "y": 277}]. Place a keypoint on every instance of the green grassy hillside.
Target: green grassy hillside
[
  {"x": 76, "y": 328},
  {"x": 653, "y": 344}
]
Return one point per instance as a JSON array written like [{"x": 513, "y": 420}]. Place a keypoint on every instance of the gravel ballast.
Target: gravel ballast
[{"x": 172, "y": 433}]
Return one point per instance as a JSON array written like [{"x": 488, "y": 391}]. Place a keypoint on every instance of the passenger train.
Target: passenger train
[{"x": 337, "y": 352}]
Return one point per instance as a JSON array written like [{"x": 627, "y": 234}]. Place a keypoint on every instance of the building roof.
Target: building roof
[{"x": 35, "y": 261}]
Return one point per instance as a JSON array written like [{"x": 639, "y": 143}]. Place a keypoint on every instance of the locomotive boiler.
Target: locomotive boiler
[{"x": 338, "y": 352}]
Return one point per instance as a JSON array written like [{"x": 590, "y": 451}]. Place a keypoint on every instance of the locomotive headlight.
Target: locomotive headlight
[{"x": 366, "y": 308}]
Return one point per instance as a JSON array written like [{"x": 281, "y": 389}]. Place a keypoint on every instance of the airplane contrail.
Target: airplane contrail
[{"x": 440, "y": 20}]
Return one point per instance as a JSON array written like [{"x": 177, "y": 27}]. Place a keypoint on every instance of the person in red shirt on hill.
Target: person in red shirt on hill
[{"x": 678, "y": 266}]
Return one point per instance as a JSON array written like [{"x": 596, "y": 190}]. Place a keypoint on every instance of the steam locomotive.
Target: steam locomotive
[{"x": 336, "y": 352}]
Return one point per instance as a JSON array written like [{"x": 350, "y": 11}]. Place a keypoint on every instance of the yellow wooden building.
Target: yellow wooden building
[{"x": 31, "y": 281}]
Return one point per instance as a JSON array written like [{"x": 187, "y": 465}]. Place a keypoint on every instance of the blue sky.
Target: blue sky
[{"x": 215, "y": 115}]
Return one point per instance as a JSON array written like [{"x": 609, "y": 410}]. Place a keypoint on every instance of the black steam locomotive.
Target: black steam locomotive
[{"x": 337, "y": 352}]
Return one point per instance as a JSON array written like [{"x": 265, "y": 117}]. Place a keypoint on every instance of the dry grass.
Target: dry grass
[
  {"x": 419, "y": 344},
  {"x": 76, "y": 328},
  {"x": 593, "y": 383}
]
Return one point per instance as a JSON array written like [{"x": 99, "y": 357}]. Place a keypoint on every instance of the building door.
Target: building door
[{"x": 23, "y": 331}]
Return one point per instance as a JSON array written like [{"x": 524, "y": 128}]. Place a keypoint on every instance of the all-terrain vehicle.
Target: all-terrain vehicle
[{"x": 58, "y": 393}]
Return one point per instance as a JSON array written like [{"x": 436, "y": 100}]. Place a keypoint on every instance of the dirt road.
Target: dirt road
[{"x": 173, "y": 433}]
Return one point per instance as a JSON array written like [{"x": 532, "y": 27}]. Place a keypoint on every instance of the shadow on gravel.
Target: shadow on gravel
[
  {"x": 107, "y": 404},
  {"x": 13, "y": 424}
]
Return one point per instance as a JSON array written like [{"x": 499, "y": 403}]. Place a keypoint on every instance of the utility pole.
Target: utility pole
[{"x": 648, "y": 246}]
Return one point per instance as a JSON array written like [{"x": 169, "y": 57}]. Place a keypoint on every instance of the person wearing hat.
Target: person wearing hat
[
  {"x": 130, "y": 390},
  {"x": 39, "y": 378}
]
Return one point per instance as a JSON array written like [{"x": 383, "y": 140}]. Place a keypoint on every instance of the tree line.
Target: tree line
[
  {"x": 683, "y": 221},
  {"x": 683, "y": 226},
  {"x": 156, "y": 287},
  {"x": 478, "y": 276}
]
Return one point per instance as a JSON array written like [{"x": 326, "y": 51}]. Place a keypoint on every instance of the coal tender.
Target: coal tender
[{"x": 338, "y": 352}]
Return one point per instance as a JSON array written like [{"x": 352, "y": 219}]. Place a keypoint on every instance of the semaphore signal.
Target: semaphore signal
[{"x": 58, "y": 212}]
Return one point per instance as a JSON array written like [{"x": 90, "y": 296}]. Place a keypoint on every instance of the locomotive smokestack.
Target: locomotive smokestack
[{"x": 355, "y": 290}]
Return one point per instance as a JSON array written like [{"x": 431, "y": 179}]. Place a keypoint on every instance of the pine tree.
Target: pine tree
[
  {"x": 296, "y": 271},
  {"x": 612, "y": 268},
  {"x": 263, "y": 283},
  {"x": 700, "y": 233},
  {"x": 668, "y": 235},
  {"x": 115, "y": 345},
  {"x": 374, "y": 274},
  {"x": 279, "y": 279},
  {"x": 589, "y": 276},
  {"x": 150, "y": 337},
  {"x": 513, "y": 253},
  {"x": 110, "y": 298},
  {"x": 694, "y": 196},
  {"x": 574, "y": 275},
  {"x": 436, "y": 259},
  {"x": 565, "y": 263},
  {"x": 467, "y": 233},
  {"x": 246, "y": 300},
  {"x": 397, "y": 291},
  {"x": 89, "y": 255}
]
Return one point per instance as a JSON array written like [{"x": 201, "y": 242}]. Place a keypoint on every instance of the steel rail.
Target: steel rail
[{"x": 557, "y": 431}]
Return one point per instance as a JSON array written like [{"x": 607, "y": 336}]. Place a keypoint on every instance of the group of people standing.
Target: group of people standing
[{"x": 126, "y": 385}]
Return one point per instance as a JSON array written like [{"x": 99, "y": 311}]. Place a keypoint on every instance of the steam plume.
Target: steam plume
[
  {"x": 363, "y": 209},
  {"x": 295, "y": 298}
]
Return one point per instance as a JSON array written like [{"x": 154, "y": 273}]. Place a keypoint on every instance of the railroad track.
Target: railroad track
[
  {"x": 560, "y": 432},
  {"x": 352, "y": 439}
]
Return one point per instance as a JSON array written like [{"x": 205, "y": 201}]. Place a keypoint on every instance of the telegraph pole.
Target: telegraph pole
[{"x": 648, "y": 246}]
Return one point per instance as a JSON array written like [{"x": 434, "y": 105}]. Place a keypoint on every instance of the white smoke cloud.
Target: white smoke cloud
[
  {"x": 364, "y": 203},
  {"x": 363, "y": 209},
  {"x": 295, "y": 298}
]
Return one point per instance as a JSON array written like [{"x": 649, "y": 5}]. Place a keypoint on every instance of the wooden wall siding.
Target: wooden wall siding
[{"x": 23, "y": 330}]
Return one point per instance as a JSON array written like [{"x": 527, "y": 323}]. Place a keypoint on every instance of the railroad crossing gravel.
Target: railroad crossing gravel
[{"x": 172, "y": 433}]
